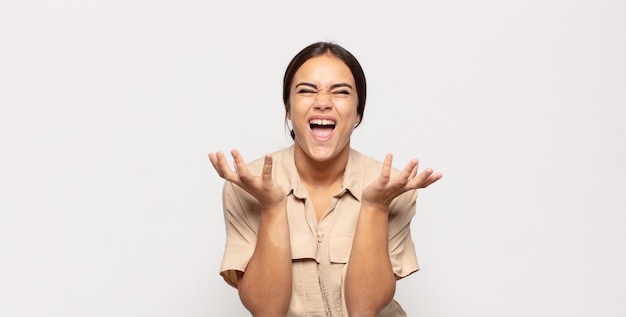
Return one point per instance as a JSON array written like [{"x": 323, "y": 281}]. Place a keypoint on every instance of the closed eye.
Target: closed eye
[
  {"x": 306, "y": 89},
  {"x": 306, "y": 92},
  {"x": 341, "y": 93}
]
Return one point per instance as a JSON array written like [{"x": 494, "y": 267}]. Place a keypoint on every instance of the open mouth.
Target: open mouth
[
  {"x": 322, "y": 128},
  {"x": 322, "y": 124}
]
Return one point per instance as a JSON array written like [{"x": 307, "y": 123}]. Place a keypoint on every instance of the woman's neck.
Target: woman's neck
[{"x": 321, "y": 173}]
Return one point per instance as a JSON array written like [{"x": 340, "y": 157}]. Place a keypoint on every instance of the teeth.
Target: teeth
[{"x": 322, "y": 122}]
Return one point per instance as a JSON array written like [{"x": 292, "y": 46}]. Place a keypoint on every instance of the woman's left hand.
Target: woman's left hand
[{"x": 384, "y": 189}]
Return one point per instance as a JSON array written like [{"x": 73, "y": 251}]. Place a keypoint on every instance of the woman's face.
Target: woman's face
[{"x": 323, "y": 110}]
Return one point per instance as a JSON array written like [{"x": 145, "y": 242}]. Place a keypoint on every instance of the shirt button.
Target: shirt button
[{"x": 320, "y": 237}]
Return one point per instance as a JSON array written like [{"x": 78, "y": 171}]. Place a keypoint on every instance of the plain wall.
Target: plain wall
[{"x": 109, "y": 205}]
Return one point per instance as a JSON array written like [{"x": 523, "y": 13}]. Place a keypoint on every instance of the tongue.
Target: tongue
[{"x": 321, "y": 133}]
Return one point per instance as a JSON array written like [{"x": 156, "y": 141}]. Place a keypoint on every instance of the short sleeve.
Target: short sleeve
[
  {"x": 401, "y": 247},
  {"x": 241, "y": 217}
]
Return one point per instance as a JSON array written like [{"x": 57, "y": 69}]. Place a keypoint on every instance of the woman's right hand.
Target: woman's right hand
[{"x": 263, "y": 188}]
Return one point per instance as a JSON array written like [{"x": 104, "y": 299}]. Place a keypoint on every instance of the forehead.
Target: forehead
[{"x": 324, "y": 68}]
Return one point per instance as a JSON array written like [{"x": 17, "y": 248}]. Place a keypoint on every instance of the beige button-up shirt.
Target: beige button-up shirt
[{"x": 320, "y": 250}]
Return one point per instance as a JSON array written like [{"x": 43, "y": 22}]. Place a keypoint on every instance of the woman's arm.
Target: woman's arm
[
  {"x": 265, "y": 287},
  {"x": 370, "y": 281}
]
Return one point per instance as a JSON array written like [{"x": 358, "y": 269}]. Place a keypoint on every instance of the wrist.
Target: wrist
[
  {"x": 373, "y": 207},
  {"x": 276, "y": 207}
]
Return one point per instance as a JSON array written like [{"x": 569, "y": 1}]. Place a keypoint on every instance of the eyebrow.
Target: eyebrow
[{"x": 338, "y": 85}]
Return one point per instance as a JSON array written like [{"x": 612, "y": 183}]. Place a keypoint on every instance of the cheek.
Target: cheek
[
  {"x": 349, "y": 108},
  {"x": 298, "y": 106}
]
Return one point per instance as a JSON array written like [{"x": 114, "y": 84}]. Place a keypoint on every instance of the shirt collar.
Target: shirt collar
[
  {"x": 287, "y": 174},
  {"x": 353, "y": 177}
]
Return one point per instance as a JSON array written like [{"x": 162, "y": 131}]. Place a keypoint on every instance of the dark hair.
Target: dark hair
[{"x": 318, "y": 49}]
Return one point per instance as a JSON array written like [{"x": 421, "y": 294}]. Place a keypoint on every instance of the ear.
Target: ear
[{"x": 288, "y": 115}]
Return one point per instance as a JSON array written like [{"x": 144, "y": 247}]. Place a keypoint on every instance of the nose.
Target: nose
[{"x": 323, "y": 101}]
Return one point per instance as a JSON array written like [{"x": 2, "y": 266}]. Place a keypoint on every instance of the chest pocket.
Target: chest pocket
[
  {"x": 340, "y": 247},
  {"x": 303, "y": 246}
]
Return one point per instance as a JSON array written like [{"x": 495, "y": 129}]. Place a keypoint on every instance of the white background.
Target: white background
[{"x": 109, "y": 206}]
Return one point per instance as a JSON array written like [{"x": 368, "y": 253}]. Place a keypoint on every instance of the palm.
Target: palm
[
  {"x": 385, "y": 188},
  {"x": 262, "y": 187}
]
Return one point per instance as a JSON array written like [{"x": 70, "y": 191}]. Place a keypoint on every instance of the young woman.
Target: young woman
[{"x": 318, "y": 229}]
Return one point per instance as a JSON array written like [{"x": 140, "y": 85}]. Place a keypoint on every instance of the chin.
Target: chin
[{"x": 325, "y": 153}]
